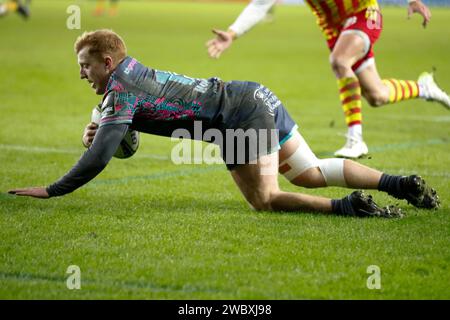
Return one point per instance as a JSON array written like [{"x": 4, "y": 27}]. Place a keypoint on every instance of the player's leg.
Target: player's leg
[
  {"x": 350, "y": 47},
  {"x": 99, "y": 8},
  {"x": 3, "y": 9},
  {"x": 258, "y": 183},
  {"x": 23, "y": 8},
  {"x": 374, "y": 89},
  {"x": 261, "y": 190},
  {"x": 301, "y": 167},
  {"x": 113, "y": 7},
  {"x": 8, "y": 6},
  {"x": 379, "y": 91}
]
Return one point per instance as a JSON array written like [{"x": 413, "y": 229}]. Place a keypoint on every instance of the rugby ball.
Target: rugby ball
[
  {"x": 129, "y": 144},
  {"x": 96, "y": 115}
]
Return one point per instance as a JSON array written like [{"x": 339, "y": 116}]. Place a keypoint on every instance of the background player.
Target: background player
[
  {"x": 21, "y": 7},
  {"x": 100, "y": 7},
  {"x": 350, "y": 27}
]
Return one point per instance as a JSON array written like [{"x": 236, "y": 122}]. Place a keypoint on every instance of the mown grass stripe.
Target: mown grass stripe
[
  {"x": 25, "y": 277},
  {"x": 380, "y": 148},
  {"x": 157, "y": 176},
  {"x": 34, "y": 149},
  {"x": 396, "y": 146}
]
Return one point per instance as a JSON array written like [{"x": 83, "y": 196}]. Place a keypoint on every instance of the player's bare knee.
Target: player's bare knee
[
  {"x": 339, "y": 65},
  {"x": 376, "y": 98}
]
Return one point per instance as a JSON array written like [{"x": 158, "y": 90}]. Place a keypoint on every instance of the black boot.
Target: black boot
[{"x": 361, "y": 205}]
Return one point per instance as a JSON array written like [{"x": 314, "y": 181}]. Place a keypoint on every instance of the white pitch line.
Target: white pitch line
[
  {"x": 417, "y": 118},
  {"x": 37, "y": 149},
  {"x": 161, "y": 157},
  {"x": 423, "y": 173},
  {"x": 33, "y": 149}
]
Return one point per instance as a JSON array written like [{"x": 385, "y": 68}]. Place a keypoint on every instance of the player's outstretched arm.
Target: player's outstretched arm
[
  {"x": 93, "y": 161},
  {"x": 416, "y": 6},
  {"x": 249, "y": 17}
]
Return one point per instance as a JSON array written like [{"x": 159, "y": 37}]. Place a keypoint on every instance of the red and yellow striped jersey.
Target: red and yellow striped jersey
[{"x": 332, "y": 13}]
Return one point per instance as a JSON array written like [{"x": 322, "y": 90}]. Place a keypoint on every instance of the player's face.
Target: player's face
[{"x": 95, "y": 71}]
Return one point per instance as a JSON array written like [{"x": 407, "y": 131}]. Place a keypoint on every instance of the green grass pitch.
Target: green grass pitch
[{"x": 148, "y": 229}]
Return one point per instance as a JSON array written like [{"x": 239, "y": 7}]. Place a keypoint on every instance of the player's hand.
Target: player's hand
[
  {"x": 220, "y": 43},
  {"x": 418, "y": 7},
  {"x": 37, "y": 192},
  {"x": 89, "y": 134}
]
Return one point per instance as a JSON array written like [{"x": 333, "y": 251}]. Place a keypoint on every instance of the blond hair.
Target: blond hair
[{"x": 102, "y": 43}]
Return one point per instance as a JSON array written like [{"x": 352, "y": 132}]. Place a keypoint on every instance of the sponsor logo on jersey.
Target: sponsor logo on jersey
[
  {"x": 269, "y": 99},
  {"x": 130, "y": 66}
]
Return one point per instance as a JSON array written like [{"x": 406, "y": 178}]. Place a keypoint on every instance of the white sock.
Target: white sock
[{"x": 355, "y": 131}]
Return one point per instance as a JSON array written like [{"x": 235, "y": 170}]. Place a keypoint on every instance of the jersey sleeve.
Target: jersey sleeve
[
  {"x": 92, "y": 162},
  {"x": 118, "y": 108},
  {"x": 251, "y": 15}
]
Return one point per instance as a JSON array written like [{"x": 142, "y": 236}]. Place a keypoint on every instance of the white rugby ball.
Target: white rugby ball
[
  {"x": 129, "y": 144},
  {"x": 96, "y": 115}
]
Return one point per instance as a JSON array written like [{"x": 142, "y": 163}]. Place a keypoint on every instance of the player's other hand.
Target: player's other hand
[
  {"x": 89, "y": 134},
  {"x": 36, "y": 192},
  {"x": 220, "y": 43},
  {"x": 418, "y": 7}
]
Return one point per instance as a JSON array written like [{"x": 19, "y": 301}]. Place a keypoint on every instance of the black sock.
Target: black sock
[
  {"x": 342, "y": 207},
  {"x": 393, "y": 185}
]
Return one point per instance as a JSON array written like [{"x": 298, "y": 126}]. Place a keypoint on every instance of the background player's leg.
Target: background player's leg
[
  {"x": 113, "y": 7},
  {"x": 7, "y": 7},
  {"x": 373, "y": 88},
  {"x": 15, "y": 5},
  {"x": 23, "y": 8},
  {"x": 3, "y": 9},
  {"x": 379, "y": 92},
  {"x": 99, "y": 8},
  {"x": 349, "y": 48},
  {"x": 261, "y": 189}
]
